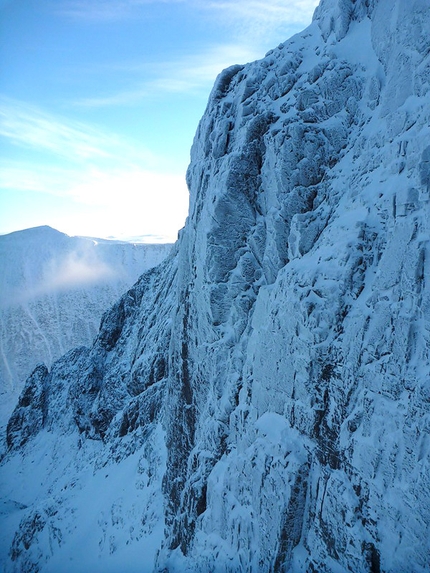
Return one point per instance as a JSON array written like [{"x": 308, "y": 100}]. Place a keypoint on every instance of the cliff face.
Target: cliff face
[{"x": 260, "y": 401}]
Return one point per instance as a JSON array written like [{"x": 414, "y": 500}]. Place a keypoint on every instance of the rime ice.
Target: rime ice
[{"x": 260, "y": 401}]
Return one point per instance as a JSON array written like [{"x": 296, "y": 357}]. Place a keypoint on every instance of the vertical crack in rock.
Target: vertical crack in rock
[{"x": 293, "y": 521}]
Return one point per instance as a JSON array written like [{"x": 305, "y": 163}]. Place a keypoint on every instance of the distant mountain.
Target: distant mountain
[
  {"x": 260, "y": 401},
  {"x": 54, "y": 290}
]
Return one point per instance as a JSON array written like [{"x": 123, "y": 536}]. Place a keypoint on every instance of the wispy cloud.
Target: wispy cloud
[
  {"x": 256, "y": 21},
  {"x": 97, "y": 171},
  {"x": 76, "y": 269},
  {"x": 258, "y": 11},
  {"x": 267, "y": 13},
  {"x": 30, "y": 127},
  {"x": 189, "y": 74},
  {"x": 250, "y": 26},
  {"x": 27, "y": 176},
  {"x": 107, "y": 10}
]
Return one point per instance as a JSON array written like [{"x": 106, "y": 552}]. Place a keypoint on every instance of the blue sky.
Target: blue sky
[{"x": 100, "y": 100}]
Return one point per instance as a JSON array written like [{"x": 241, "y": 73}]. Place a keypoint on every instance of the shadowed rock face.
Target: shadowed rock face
[{"x": 268, "y": 383}]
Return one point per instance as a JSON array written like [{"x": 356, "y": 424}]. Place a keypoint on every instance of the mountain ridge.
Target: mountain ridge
[{"x": 53, "y": 292}]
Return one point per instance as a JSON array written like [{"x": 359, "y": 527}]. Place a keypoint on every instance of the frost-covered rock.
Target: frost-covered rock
[
  {"x": 261, "y": 400},
  {"x": 54, "y": 290}
]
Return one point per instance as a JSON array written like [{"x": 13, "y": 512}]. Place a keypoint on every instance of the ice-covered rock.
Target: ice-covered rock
[{"x": 260, "y": 401}]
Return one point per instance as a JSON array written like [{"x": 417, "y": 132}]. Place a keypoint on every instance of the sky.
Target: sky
[{"x": 100, "y": 101}]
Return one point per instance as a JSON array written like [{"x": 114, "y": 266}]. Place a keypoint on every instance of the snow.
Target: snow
[
  {"x": 53, "y": 292},
  {"x": 262, "y": 395},
  {"x": 103, "y": 526}
]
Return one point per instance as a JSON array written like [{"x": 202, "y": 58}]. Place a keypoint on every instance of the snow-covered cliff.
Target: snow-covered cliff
[
  {"x": 261, "y": 400},
  {"x": 54, "y": 290}
]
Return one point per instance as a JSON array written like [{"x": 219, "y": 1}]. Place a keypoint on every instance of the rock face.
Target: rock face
[
  {"x": 260, "y": 401},
  {"x": 54, "y": 290}
]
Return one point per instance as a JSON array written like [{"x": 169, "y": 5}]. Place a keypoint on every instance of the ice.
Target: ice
[{"x": 262, "y": 396}]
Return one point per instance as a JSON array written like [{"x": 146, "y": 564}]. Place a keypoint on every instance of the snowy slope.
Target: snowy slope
[
  {"x": 260, "y": 401},
  {"x": 53, "y": 292}
]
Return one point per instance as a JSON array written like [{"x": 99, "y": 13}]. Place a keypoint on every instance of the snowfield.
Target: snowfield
[{"x": 260, "y": 401}]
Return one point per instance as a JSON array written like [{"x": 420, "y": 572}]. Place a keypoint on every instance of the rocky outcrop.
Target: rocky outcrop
[{"x": 264, "y": 392}]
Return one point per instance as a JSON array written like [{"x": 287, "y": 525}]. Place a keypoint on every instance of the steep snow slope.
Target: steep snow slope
[
  {"x": 53, "y": 292},
  {"x": 260, "y": 401}
]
